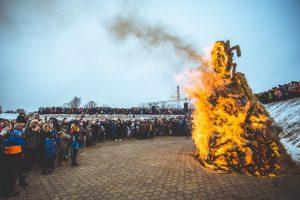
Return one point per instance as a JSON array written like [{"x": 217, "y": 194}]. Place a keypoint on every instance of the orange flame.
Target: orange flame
[{"x": 230, "y": 128}]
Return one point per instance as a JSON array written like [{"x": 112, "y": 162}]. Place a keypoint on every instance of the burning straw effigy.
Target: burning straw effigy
[{"x": 232, "y": 130}]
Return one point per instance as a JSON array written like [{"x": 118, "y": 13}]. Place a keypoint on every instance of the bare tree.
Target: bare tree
[
  {"x": 66, "y": 105},
  {"x": 91, "y": 104},
  {"x": 75, "y": 102},
  {"x": 143, "y": 105}
]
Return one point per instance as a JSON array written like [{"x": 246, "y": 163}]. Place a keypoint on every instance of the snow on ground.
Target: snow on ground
[
  {"x": 9, "y": 116},
  {"x": 287, "y": 115}
]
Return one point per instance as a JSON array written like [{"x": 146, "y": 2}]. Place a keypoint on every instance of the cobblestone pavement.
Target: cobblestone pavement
[{"x": 160, "y": 168}]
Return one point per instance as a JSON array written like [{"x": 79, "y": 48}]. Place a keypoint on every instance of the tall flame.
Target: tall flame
[{"x": 231, "y": 129}]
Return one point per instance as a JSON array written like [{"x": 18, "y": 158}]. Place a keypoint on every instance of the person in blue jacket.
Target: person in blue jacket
[
  {"x": 50, "y": 151},
  {"x": 13, "y": 156},
  {"x": 74, "y": 132}
]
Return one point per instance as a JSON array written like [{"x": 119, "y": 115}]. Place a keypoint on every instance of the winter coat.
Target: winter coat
[
  {"x": 50, "y": 147},
  {"x": 95, "y": 129},
  {"x": 30, "y": 138},
  {"x": 42, "y": 136},
  {"x": 15, "y": 138},
  {"x": 54, "y": 135},
  {"x": 75, "y": 141},
  {"x": 64, "y": 140}
]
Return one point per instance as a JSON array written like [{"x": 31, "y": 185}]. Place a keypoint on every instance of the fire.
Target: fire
[{"x": 232, "y": 131}]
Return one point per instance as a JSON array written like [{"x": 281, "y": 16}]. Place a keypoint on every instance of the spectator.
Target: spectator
[
  {"x": 63, "y": 145},
  {"x": 50, "y": 153},
  {"x": 74, "y": 143},
  {"x": 21, "y": 118},
  {"x": 12, "y": 159},
  {"x": 281, "y": 92}
]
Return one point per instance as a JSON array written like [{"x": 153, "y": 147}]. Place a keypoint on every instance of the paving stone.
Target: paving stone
[{"x": 160, "y": 168}]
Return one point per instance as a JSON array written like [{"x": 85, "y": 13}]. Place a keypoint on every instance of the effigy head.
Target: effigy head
[{"x": 221, "y": 58}]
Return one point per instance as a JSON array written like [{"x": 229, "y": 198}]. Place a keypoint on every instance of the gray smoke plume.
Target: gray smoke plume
[{"x": 122, "y": 27}]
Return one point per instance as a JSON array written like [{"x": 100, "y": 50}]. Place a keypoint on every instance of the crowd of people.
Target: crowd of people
[
  {"x": 281, "y": 92},
  {"x": 110, "y": 111},
  {"x": 48, "y": 143}
]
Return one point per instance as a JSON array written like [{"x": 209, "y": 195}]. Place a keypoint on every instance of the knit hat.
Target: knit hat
[{"x": 74, "y": 127}]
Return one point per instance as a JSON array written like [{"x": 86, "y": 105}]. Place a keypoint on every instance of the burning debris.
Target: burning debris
[{"x": 232, "y": 130}]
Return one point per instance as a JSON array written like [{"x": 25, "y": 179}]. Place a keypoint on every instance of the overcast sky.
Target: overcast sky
[{"x": 53, "y": 50}]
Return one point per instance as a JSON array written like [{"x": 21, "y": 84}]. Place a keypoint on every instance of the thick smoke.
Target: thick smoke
[{"x": 122, "y": 27}]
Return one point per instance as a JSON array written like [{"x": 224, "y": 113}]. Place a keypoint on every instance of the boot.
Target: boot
[{"x": 22, "y": 181}]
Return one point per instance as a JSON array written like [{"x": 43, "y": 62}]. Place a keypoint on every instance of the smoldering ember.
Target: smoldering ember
[{"x": 149, "y": 100}]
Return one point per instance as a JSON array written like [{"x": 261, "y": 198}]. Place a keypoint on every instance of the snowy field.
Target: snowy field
[
  {"x": 285, "y": 113},
  {"x": 8, "y": 116}
]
